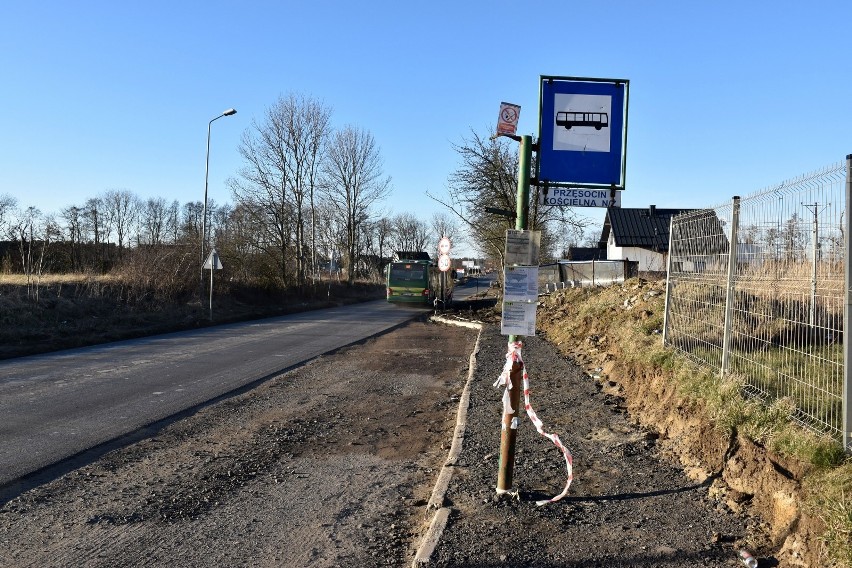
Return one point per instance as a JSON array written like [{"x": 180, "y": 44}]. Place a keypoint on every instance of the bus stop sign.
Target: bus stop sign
[{"x": 582, "y": 132}]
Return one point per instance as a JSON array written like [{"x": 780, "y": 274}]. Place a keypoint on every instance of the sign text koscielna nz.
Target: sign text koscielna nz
[{"x": 573, "y": 197}]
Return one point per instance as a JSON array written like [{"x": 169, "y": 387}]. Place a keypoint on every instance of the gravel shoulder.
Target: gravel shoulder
[{"x": 629, "y": 505}]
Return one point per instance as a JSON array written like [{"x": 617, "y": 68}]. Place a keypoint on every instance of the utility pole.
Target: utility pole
[
  {"x": 511, "y": 421},
  {"x": 814, "y": 208}
]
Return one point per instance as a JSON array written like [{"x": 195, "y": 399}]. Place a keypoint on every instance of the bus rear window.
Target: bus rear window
[{"x": 404, "y": 272}]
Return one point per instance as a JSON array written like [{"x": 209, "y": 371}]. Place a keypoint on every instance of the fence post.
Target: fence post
[
  {"x": 846, "y": 406},
  {"x": 667, "y": 305},
  {"x": 815, "y": 246},
  {"x": 732, "y": 274}
]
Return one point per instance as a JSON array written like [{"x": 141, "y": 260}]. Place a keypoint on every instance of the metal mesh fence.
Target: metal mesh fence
[{"x": 756, "y": 289}]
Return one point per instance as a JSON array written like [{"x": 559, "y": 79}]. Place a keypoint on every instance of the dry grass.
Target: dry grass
[
  {"x": 54, "y": 279},
  {"x": 75, "y": 310}
]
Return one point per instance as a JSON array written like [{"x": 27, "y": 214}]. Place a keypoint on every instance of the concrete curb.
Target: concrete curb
[{"x": 436, "y": 501}]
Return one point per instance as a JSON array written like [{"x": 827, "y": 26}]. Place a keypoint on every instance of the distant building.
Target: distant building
[{"x": 639, "y": 235}]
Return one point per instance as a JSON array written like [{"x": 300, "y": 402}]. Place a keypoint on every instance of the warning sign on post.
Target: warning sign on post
[
  {"x": 507, "y": 123},
  {"x": 213, "y": 262}
]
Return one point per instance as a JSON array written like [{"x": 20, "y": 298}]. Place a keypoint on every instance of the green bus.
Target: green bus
[{"x": 417, "y": 282}]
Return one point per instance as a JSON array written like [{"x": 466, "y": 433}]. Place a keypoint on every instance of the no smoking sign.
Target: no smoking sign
[{"x": 508, "y": 121}]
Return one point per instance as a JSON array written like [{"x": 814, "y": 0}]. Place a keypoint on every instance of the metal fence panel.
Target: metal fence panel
[
  {"x": 579, "y": 273},
  {"x": 787, "y": 296}
]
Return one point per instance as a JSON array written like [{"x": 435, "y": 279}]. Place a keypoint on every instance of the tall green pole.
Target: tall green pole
[{"x": 509, "y": 427}]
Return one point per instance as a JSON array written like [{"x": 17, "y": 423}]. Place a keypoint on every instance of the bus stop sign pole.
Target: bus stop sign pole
[{"x": 509, "y": 428}]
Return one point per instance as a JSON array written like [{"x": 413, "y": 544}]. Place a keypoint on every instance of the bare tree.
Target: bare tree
[
  {"x": 244, "y": 242},
  {"x": 444, "y": 225},
  {"x": 308, "y": 126},
  {"x": 191, "y": 225},
  {"x": 34, "y": 234},
  {"x": 795, "y": 237},
  {"x": 261, "y": 190},
  {"x": 355, "y": 181},
  {"x": 409, "y": 233},
  {"x": 94, "y": 224},
  {"x": 487, "y": 178},
  {"x": 121, "y": 207},
  {"x": 173, "y": 222},
  {"x": 331, "y": 236},
  {"x": 7, "y": 206},
  {"x": 219, "y": 222},
  {"x": 282, "y": 162},
  {"x": 303, "y": 131},
  {"x": 97, "y": 229},
  {"x": 383, "y": 230},
  {"x": 73, "y": 217},
  {"x": 153, "y": 221}
]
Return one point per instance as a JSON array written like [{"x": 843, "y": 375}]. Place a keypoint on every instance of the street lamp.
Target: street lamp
[{"x": 228, "y": 112}]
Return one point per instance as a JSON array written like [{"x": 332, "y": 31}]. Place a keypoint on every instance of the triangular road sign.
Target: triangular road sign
[{"x": 213, "y": 261}]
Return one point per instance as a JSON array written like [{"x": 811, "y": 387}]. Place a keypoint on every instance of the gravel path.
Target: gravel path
[{"x": 627, "y": 506}]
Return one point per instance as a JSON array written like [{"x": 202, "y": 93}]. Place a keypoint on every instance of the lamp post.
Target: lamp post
[{"x": 228, "y": 112}]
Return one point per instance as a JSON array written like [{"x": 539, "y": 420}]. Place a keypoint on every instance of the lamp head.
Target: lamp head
[{"x": 229, "y": 112}]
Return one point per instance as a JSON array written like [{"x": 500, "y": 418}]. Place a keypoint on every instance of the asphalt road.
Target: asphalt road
[
  {"x": 58, "y": 405},
  {"x": 474, "y": 285}
]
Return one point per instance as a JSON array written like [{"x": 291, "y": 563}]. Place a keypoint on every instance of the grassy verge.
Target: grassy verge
[{"x": 66, "y": 311}]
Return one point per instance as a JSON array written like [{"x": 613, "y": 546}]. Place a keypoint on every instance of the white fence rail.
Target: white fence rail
[{"x": 757, "y": 288}]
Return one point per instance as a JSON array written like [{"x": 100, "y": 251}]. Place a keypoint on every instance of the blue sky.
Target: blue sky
[{"x": 726, "y": 97}]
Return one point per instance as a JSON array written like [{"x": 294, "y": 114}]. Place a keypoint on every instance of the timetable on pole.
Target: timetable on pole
[
  {"x": 522, "y": 247},
  {"x": 518, "y": 319},
  {"x": 520, "y": 284}
]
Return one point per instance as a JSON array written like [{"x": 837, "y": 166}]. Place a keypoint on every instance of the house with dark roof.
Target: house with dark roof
[{"x": 638, "y": 235}]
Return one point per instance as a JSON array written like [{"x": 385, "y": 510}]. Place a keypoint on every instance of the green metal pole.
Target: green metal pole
[{"x": 509, "y": 427}]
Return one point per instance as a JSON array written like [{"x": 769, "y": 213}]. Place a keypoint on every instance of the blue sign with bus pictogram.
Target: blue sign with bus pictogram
[{"x": 582, "y": 132}]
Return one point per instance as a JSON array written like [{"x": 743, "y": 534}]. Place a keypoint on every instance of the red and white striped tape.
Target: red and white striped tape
[{"x": 514, "y": 356}]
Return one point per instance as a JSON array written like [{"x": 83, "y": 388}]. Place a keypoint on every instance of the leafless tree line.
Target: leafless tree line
[
  {"x": 306, "y": 202},
  {"x": 118, "y": 226}
]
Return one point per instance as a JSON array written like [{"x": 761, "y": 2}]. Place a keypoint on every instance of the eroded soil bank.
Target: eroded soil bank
[{"x": 746, "y": 477}]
